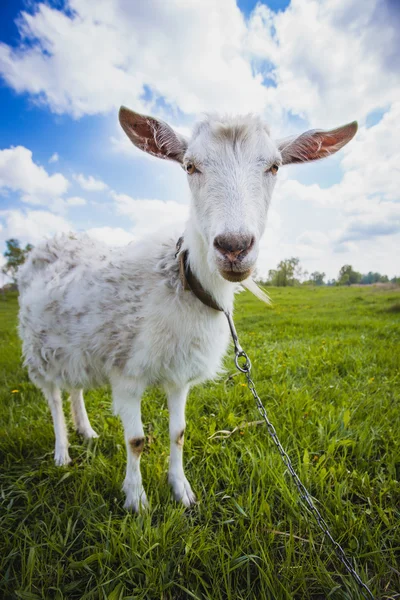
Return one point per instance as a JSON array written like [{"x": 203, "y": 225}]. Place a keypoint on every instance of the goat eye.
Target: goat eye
[
  {"x": 190, "y": 168},
  {"x": 274, "y": 169}
]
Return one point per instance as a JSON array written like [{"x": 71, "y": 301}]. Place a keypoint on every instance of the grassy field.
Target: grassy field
[{"x": 326, "y": 363}]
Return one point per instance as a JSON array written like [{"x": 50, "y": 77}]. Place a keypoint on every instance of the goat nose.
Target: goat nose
[{"x": 234, "y": 247}]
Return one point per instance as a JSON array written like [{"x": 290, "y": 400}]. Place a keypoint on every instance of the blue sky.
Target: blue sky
[{"x": 65, "y": 67}]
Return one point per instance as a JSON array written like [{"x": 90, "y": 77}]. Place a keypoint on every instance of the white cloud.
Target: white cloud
[
  {"x": 371, "y": 166},
  {"x": 371, "y": 162},
  {"x": 91, "y": 62},
  {"x": 379, "y": 220},
  {"x": 204, "y": 55},
  {"x": 75, "y": 201},
  {"x": 54, "y": 158},
  {"x": 347, "y": 248},
  {"x": 90, "y": 184},
  {"x": 18, "y": 172},
  {"x": 332, "y": 61},
  {"x": 312, "y": 238},
  {"x": 31, "y": 226},
  {"x": 150, "y": 215}
]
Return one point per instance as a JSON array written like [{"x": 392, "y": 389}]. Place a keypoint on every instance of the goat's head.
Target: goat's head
[{"x": 232, "y": 166}]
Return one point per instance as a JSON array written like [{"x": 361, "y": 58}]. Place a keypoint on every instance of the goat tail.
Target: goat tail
[{"x": 250, "y": 285}]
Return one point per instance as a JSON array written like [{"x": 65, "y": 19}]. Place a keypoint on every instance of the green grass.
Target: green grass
[{"x": 326, "y": 363}]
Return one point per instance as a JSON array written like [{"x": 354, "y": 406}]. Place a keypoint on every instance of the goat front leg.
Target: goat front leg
[
  {"x": 127, "y": 397},
  {"x": 176, "y": 477}
]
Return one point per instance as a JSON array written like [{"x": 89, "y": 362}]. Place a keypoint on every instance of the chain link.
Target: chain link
[{"x": 243, "y": 364}]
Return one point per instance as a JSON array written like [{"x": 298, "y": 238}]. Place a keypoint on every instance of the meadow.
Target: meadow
[{"x": 326, "y": 364}]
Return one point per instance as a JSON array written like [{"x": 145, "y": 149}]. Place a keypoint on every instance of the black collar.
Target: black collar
[{"x": 190, "y": 281}]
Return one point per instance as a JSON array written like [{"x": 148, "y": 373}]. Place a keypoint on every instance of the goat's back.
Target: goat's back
[{"x": 54, "y": 257}]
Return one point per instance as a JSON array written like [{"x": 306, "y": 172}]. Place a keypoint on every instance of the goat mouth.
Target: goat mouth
[{"x": 235, "y": 276}]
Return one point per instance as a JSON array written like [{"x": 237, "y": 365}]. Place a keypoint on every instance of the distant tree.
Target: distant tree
[
  {"x": 272, "y": 277},
  {"x": 317, "y": 278},
  {"x": 368, "y": 278},
  {"x": 374, "y": 278},
  {"x": 287, "y": 273},
  {"x": 348, "y": 276},
  {"x": 15, "y": 256}
]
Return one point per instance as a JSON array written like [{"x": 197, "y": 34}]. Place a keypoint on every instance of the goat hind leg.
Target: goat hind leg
[
  {"x": 53, "y": 396},
  {"x": 80, "y": 416}
]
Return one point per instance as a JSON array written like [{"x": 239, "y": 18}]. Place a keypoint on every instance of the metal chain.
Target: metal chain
[{"x": 243, "y": 364}]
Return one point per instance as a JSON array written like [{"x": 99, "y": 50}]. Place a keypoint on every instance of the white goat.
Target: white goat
[{"x": 90, "y": 314}]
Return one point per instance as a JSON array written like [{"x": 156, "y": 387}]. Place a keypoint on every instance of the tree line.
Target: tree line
[{"x": 289, "y": 272}]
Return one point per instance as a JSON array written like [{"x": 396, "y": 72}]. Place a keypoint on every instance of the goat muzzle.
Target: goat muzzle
[
  {"x": 234, "y": 247},
  {"x": 232, "y": 250}
]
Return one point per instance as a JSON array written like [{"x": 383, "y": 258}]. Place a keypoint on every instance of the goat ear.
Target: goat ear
[
  {"x": 152, "y": 136},
  {"x": 315, "y": 144}
]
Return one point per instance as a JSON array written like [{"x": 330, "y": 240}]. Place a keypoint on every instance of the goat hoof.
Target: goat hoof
[
  {"x": 136, "y": 499},
  {"x": 61, "y": 458},
  {"x": 182, "y": 491},
  {"x": 89, "y": 434}
]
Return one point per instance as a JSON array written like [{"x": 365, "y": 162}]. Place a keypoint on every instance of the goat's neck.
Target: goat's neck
[{"x": 223, "y": 291}]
